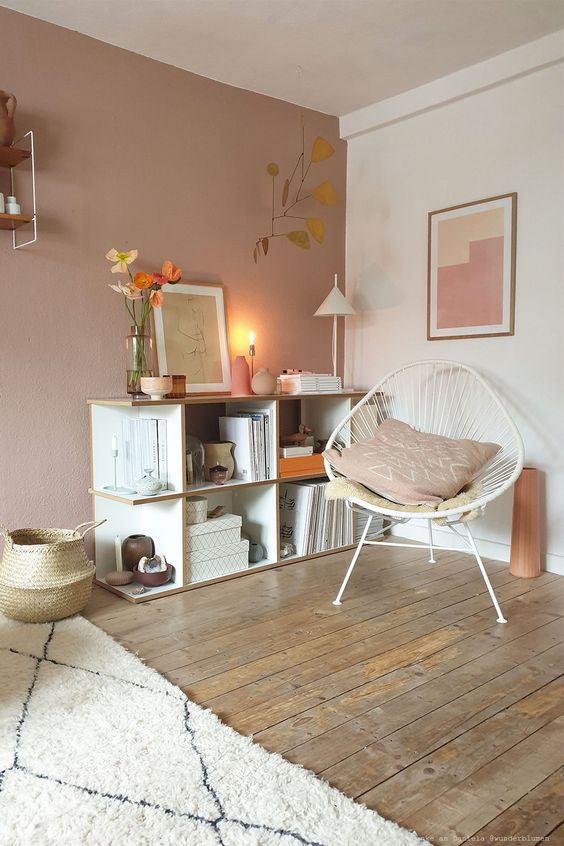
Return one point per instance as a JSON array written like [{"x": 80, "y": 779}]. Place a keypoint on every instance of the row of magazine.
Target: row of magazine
[
  {"x": 314, "y": 524},
  {"x": 144, "y": 448},
  {"x": 252, "y": 432}
]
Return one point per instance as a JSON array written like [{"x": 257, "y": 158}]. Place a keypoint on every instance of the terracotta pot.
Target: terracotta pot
[
  {"x": 264, "y": 382},
  {"x": 135, "y": 547},
  {"x": 240, "y": 377},
  {"x": 218, "y": 452}
]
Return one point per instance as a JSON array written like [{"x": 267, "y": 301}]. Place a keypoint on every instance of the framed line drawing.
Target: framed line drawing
[
  {"x": 471, "y": 269},
  {"x": 191, "y": 336}
]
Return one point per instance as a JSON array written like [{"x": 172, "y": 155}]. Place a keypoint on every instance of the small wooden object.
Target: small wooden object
[
  {"x": 119, "y": 577},
  {"x": 178, "y": 387},
  {"x": 525, "y": 534}
]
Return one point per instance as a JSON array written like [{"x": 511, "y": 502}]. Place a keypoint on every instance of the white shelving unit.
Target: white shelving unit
[{"x": 163, "y": 517}]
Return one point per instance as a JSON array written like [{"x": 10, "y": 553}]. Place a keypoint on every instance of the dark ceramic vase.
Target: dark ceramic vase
[{"x": 135, "y": 547}]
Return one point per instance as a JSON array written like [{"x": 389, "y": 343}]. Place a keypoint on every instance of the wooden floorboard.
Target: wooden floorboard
[{"x": 409, "y": 697}]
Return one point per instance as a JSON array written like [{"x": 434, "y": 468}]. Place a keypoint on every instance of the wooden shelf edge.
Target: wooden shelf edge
[
  {"x": 13, "y": 156},
  {"x": 142, "y": 500},
  {"x": 198, "y": 399},
  {"x": 14, "y": 221},
  {"x": 202, "y": 491}
]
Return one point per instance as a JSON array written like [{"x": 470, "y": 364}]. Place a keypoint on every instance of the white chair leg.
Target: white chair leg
[
  {"x": 431, "y": 555},
  {"x": 471, "y": 541},
  {"x": 337, "y": 600}
]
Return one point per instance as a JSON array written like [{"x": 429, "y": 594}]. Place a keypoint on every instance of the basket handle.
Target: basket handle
[
  {"x": 90, "y": 524},
  {"x": 6, "y": 534}
]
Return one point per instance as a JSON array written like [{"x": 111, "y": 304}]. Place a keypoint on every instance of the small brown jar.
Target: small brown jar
[{"x": 218, "y": 474}]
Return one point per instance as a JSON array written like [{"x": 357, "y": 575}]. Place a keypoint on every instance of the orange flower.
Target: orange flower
[
  {"x": 158, "y": 279},
  {"x": 142, "y": 280},
  {"x": 171, "y": 273},
  {"x": 156, "y": 299}
]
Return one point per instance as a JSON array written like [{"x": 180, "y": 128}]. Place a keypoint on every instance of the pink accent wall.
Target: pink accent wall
[{"x": 135, "y": 153}]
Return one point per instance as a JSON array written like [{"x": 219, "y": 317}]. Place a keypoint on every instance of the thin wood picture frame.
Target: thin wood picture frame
[
  {"x": 471, "y": 269},
  {"x": 192, "y": 336}
]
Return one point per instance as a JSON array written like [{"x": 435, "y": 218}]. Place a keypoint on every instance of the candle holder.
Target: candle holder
[
  {"x": 252, "y": 352},
  {"x": 115, "y": 488}
]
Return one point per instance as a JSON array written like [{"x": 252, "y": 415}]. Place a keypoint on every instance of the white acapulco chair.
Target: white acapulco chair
[{"x": 442, "y": 398}]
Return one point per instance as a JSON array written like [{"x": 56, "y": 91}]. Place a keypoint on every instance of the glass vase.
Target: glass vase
[{"x": 138, "y": 347}]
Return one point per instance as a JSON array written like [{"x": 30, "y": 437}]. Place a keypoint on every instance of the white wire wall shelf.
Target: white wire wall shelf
[{"x": 12, "y": 157}]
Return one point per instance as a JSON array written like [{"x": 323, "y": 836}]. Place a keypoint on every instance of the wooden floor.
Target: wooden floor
[{"x": 409, "y": 697}]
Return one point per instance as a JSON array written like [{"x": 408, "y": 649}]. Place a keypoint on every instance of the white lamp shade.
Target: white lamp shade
[{"x": 334, "y": 304}]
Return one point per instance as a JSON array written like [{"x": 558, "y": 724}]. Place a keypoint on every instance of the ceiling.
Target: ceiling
[{"x": 330, "y": 55}]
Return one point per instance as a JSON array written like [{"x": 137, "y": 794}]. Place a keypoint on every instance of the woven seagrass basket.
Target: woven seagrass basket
[{"x": 44, "y": 573}]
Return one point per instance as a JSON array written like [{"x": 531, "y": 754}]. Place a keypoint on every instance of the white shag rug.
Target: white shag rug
[{"x": 96, "y": 749}]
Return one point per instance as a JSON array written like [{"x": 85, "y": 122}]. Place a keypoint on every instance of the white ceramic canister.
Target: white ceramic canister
[
  {"x": 196, "y": 510},
  {"x": 12, "y": 206}
]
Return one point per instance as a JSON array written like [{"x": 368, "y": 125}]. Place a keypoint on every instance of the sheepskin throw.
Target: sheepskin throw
[
  {"x": 341, "y": 488},
  {"x": 98, "y": 750}
]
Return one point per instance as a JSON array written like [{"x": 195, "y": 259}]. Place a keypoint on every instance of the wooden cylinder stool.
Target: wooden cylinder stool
[{"x": 525, "y": 533}]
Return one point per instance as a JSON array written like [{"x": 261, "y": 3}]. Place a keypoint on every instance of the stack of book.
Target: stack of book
[
  {"x": 309, "y": 521},
  {"x": 144, "y": 448},
  {"x": 251, "y": 430},
  {"x": 360, "y": 522},
  {"x": 309, "y": 383}
]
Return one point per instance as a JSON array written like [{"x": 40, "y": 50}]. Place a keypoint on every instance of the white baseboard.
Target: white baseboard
[{"x": 496, "y": 550}]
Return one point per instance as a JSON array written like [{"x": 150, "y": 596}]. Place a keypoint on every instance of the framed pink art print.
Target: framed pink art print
[{"x": 471, "y": 269}]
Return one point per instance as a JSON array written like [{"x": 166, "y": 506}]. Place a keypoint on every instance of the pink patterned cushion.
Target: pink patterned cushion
[{"x": 410, "y": 467}]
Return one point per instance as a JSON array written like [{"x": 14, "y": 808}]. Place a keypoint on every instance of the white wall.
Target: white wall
[{"x": 509, "y": 137}]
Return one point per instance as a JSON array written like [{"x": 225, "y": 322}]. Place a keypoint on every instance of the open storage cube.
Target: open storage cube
[
  {"x": 163, "y": 516},
  {"x": 220, "y": 546}
]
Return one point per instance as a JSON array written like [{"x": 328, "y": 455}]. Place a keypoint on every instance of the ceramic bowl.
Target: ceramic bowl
[
  {"x": 153, "y": 579},
  {"x": 156, "y": 386}
]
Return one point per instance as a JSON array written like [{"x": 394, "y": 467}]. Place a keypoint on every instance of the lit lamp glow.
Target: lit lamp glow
[
  {"x": 335, "y": 305},
  {"x": 252, "y": 351}
]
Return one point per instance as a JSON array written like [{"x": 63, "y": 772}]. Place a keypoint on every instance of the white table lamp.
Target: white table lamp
[{"x": 334, "y": 305}]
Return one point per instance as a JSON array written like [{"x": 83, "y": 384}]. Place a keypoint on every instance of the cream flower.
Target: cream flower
[
  {"x": 122, "y": 259},
  {"x": 128, "y": 290}
]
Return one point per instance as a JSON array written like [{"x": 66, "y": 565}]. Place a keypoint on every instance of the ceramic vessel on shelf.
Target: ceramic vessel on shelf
[
  {"x": 218, "y": 453},
  {"x": 256, "y": 553},
  {"x": 153, "y": 579},
  {"x": 147, "y": 485},
  {"x": 196, "y": 510},
  {"x": 178, "y": 387},
  {"x": 263, "y": 382},
  {"x": 135, "y": 547},
  {"x": 218, "y": 474},
  {"x": 156, "y": 386},
  {"x": 241, "y": 377}
]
